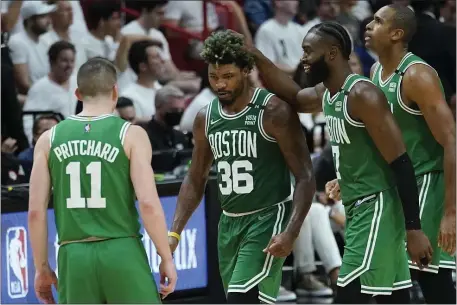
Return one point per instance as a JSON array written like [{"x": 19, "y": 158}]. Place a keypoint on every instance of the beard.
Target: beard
[
  {"x": 318, "y": 73},
  {"x": 227, "y": 101},
  {"x": 231, "y": 96},
  {"x": 38, "y": 29}
]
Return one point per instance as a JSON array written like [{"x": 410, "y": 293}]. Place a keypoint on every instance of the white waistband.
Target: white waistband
[{"x": 241, "y": 214}]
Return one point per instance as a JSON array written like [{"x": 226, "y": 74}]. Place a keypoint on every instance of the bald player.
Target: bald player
[{"x": 416, "y": 99}]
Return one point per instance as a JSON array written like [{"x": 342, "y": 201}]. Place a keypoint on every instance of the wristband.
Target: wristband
[{"x": 175, "y": 235}]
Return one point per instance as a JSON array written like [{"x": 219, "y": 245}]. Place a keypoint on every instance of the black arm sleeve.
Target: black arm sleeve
[{"x": 407, "y": 190}]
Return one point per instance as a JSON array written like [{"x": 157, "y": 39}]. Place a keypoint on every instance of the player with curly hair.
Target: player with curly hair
[{"x": 256, "y": 141}]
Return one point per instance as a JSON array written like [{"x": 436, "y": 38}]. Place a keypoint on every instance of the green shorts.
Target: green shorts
[
  {"x": 109, "y": 271},
  {"x": 241, "y": 241},
  {"x": 431, "y": 203},
  {"x": 375, "y": 245}
]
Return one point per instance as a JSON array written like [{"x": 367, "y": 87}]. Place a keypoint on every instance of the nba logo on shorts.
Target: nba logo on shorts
[{"x": 16, "y": 258}]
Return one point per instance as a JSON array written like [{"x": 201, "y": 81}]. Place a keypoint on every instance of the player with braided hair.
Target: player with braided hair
[
  {"x": 375, "y": 174},
  {"x": 256, "y": 141}
]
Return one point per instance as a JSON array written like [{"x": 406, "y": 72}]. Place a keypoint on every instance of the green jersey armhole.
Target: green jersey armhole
[{"x": 260, "y": 121}]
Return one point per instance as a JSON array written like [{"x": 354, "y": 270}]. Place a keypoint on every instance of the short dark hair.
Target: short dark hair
[
  {"x": 137, "y": 53},
  {"x": 148, "y": 5},
  {"x": 96, "y": 76},
  {"x": 338, "y": 33},
  {"x": 404, "y": 19},
  {"x": 36, "y": 123},
  {"x": 98, "y": 10},
  {"x": 226, "y": 47},
  {"x": 58, "y": 47},
  {"x": 123, "y": 102}
]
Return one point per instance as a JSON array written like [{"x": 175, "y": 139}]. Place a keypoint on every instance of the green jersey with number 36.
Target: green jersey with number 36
[
  {"x": 90, "y": 175},
  {"x": 360, "y": 168},
  {"x": 251, "y": 171}
]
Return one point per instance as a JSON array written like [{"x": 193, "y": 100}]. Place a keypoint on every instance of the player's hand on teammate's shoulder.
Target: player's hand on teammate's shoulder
[
  {"x": 446, "y": 239},
  {"x": 168, "y": 277},
  {"x": 280, "y": 245},
  {"x": 44, "y": 280},
  {"x": 419, "y": 248},
  {"x": 332, "y": 189}
]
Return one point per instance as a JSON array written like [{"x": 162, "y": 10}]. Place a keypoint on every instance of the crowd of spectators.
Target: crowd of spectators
[{"x": 45, "y": 42}]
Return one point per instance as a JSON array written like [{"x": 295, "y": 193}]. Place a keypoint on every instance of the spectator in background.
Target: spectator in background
[
  {"x": 435, "y": 43},
  {"x": 56, "y": 91},
  {"x": 166, "y": 141},
  {"x": 40, "y": 125},
  {"x": 447, "y": 12},
  {"x": 325, "y": 11},
  {"x": 11, "y": 16},
  {"x": 324, "y": 171},
  {"x": 103, "y": 20},
  {"x": 366, "y": 56},
  {"x": 145, "y": 58},
  {"x": 347, "y": 19},
  {"x": 316, "y": 234},
  {"x": 361, "y": 10},
  {"x": 355, "y": 64},
  {"x": 152, "y": 13},
  {"x": 279, "y": 38},
  {"x": 189, "y": 15},
  {"x": 257, "y": 12},
  {"x": 202, "y": 99},
  {"x": 11, "y": 119},
  {"x": 79, "y": 22},
  {"x": 27, "y": 53},
  {"x": 62, "y": 20},
  {"x": 12, "y": 170},
  {"x": 126, "y": 110}
]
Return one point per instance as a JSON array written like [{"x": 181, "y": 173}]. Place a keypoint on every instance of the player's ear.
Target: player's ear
[
  {"x": 115, "y": 93},
  {"x": 333, "y": 52},
  {"x": 78, "y": 94},
  {"x": 245, "y": 71},
  {"x": 397, "y": 34}
]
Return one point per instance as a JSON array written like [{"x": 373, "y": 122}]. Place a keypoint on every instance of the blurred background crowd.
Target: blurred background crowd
[{"x": 163, "y": 82}]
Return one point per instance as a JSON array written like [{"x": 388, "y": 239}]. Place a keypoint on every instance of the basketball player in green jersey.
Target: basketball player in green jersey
[
  {"x": 373, "y": 169},
  {"x": 415, "y": 95},
  {"x": 256, "y": 141},
  {"x": 96, "y": 163}
]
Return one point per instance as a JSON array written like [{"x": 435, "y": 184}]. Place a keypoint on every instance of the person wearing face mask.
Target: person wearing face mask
[{"x": 165, "y": 139}]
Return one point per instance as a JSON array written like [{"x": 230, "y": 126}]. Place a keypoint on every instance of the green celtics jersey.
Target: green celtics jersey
[
  {"x": 251, "y": 170},
  {"x": 425, "y": 152},
  {"x": 90, "y": 174},
  {"x": 360, "y": 168}
]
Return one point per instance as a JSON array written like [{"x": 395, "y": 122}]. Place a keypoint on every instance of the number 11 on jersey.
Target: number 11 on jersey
[{"x": 95, "y": 201}]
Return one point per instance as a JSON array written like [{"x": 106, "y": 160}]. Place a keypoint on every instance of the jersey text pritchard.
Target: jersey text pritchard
[{"x": 86, "y": 148}]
